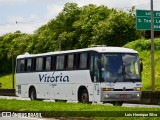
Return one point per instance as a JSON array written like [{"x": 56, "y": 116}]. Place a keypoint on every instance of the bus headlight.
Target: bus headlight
[
  {"x": 138, "y": 95},
  {"x": 107, "y": 96},
  {"x": 137, "y": 88},
  {"x": 107, "y": 89}
]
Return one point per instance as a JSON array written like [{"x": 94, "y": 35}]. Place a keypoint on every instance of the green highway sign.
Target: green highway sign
[
  {"x": 143, "y": 20},
  {"x": 144, "y": 23},
  {"x": 147, "y": 13}
]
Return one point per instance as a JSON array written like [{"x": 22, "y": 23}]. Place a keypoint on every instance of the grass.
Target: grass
[
  {"x": 146, "y": 75},
  {"x": 6, "y": 80},
  {"x": 53, "y": 109}
]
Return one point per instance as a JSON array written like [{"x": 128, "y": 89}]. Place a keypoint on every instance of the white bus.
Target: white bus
[{"x": 98, "y": 74}]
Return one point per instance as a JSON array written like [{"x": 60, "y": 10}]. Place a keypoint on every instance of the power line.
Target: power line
[
  {"x": 24, "y": 22},
  {"x": 43, "y": 20},
  {"x": 137, "y": 5}
]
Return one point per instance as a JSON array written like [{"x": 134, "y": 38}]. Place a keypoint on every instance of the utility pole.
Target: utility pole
[
  {"x": 60, "y": 44},
  {"x": 152, "y": 49},
  {"x": 12, "y": 69}
]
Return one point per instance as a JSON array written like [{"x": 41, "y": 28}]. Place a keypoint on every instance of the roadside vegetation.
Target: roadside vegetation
[{"x": 6, "y": 81}]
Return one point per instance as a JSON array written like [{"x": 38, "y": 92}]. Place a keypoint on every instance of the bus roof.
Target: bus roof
[{"x": 96, "y": 49}]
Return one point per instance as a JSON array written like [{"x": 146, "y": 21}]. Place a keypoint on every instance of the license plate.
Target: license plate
[{"x": 123, "y": 96}]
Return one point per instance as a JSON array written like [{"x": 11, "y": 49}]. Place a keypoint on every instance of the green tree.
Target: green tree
[
  {"x": 7, "y": 46},
  {"x": 62, "y": 27},
  {"x": 116, "y": 30},
  {"x": 74, "y": 27}
]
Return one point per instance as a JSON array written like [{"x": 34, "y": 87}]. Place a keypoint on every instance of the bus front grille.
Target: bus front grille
[{"x": 123, "y": 89}]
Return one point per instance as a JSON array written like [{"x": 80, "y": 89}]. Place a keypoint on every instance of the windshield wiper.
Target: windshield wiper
[{"x": 117, "y": 77}]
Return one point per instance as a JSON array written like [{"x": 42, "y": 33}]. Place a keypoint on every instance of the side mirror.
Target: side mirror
[{"x": 141, "y": 65}]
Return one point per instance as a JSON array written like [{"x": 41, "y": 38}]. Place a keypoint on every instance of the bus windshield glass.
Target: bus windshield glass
[{"x": 120, "y": 67}]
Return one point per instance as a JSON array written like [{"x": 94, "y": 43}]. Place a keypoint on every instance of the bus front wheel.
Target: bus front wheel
[
  {"x": 33, "y": 94},
  {"x": 84, "y": 98}
]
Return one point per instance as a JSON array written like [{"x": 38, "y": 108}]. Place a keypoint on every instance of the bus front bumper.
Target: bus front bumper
[{"x": 120, "y": 96}]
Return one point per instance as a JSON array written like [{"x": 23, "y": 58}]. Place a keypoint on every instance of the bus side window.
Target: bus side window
[
  {"x": 21, "y": 65},
  {"x": 70, "y": 62},
  {"x": 29, "y": 65},
  {"x": 57, "y": 62},
  {"x": 39, "y": 64},
  {"x": 48, "y": 63},
  {"x": 60, "y": 62},
  {"x": 94, "y": 69},
  {"x": 18, "y": 66},
  {"x": 83, "y": 60}
]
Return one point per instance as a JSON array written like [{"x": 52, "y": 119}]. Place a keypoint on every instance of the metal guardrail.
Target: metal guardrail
[
  {"x": 7, "y": 92},
  {"x": 149, "y": 97}
]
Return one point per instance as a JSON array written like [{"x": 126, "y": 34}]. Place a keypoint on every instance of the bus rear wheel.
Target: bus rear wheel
[
  {"x": 33, "y": 94},
  {"x": 84, "y": 97}
]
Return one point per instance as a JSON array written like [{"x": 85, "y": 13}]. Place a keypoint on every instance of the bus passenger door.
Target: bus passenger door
[{"x": 95, "y": 76}]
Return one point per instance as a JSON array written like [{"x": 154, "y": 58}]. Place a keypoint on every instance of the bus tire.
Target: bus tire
[
  {"x": 33, "y": 94},
  {"x": 84, "y": 97}
]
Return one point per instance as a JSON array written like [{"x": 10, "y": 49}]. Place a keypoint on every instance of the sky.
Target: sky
[{"x": 28, "y": 15}]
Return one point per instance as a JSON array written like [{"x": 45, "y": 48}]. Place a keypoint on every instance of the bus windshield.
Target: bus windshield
[{"x": 120, "y": 67}]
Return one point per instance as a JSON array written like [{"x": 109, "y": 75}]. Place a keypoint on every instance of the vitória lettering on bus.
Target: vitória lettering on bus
[{"x": 53, "y": 78}]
